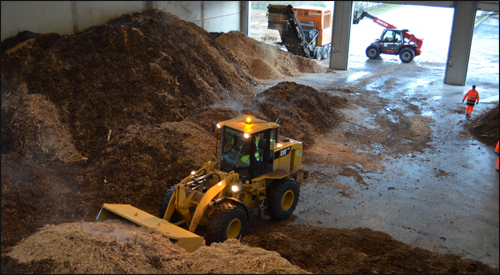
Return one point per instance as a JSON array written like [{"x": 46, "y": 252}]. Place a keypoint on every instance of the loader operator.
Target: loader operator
[
  {"x": 246, "y": 152},
  {"x": 472, "y": 99}
]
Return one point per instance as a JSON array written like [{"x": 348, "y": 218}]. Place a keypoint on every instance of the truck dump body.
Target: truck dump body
[
  {"x": 282, "y": 18},
  {"x": 316, "y": 17},
  {"x": 305, "y": 31}
]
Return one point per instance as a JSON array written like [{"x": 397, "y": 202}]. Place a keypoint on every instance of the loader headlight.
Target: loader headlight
[
  {"x": 193, "y": 172},
  {"x": 235, "y": 188},
  {"x": 246, "y": 135}
]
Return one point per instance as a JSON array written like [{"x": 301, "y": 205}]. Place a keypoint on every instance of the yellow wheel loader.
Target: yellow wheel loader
[{"x": 259, "y": 170}]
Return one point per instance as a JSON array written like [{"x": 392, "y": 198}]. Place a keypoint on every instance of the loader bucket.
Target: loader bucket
[{"x": 182, "y": 237}]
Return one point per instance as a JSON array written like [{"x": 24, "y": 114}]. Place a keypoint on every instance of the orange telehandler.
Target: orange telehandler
[{"x": 392, "y": 41}]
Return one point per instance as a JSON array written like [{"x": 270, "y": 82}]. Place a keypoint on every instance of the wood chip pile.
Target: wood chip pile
[
  {"x": 305, "y": 112},
  {"x": 115, "y": 246},
  {"x": 142, "y": 68},
  {"x": 485, "y": 126},
  {"x": 143, "y": 162},
  {"x": 357, "y": 251},
  {"x": 265, "y": 61}
]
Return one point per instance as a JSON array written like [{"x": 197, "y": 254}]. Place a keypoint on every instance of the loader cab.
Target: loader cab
[{"x": 247, "y": 148}]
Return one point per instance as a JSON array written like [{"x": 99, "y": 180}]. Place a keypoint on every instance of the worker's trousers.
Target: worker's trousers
[{"x": 468, "y": 109}]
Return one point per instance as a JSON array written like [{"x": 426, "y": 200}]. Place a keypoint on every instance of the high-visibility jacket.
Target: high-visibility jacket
[
  {"x": 496, "y": 149},
  {"x": 257, "y": 155},
  {"x": 246, "y": 158},
  {"x": 472, "y": 96}
]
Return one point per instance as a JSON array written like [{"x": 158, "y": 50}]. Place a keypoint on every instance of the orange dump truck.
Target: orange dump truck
[{"x": 304, "y": 30}]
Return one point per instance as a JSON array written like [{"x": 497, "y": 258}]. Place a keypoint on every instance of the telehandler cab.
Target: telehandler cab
[{"x": 259, "y": 169}]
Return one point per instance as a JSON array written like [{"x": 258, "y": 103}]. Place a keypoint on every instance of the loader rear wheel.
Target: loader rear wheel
[
  {"x": 229, "y": 221},
  {"x": 176, "y": 217},
  {"x": 372, "y": 52},
  {"x": 406, "y": 55},
  {"x": 282, "y": 198}
]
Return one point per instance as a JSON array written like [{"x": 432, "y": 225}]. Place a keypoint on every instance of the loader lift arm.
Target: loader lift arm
[{"x": 411, "y": 38}]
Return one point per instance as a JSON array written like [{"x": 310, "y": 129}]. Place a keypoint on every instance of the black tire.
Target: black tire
[
  {"x": 282, "y": 198},
  {"x": 406, "y": 55},
  {"x": 372, "y": 52},
  {"x": 176, "y": 217},
  {"x": 319, "y": 53},
  {"x": 229, "y": 220}
]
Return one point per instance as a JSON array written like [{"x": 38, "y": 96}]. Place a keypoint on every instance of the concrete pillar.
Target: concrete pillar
[
  {"x": 245, "y": 17},
  {"x": 342, "y": 20},
  {"x": 460, "y": 43}
]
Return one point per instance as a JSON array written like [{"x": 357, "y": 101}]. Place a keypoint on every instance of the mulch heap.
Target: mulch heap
[
  {"x": 143, "y": 162},
  {"x": 142, "y": 68},
  {"x": 355, "y": 251},
  {"x": 485, "y": 126},
  {"x": 305, "y": 112},
  {"x": 265, "y": 61},
  {"x": 115, "y": 246}
]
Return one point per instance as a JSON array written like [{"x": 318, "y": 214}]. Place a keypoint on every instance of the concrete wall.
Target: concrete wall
[
  {"x": 213, "y": 16},
  {"x": 69, "y": 17}
]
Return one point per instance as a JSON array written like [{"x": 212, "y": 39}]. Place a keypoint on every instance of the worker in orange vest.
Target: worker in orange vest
[
  {"x": 496, "y": 150},
  {"x": 472, "y": 99}
]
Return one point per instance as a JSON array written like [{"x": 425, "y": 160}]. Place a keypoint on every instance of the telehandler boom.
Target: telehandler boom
[{"x": 259, "y": 169}]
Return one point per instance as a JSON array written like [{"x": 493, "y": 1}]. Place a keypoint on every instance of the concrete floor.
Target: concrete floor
[{"x": 444, "y": 199}]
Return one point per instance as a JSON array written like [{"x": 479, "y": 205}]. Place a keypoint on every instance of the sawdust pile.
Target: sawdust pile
[
  {"x": 265, "y": 61},
  {"x": 485, "y": 127},
  {"x": 356, "y": 251},
  {"x": 142, "y": 68},
  {"x": 304, "y": 111},
  {"x": 115, "y": 246}
]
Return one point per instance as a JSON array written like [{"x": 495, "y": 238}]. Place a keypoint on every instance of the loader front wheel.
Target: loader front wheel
[
  {"x": 176, "y": 217},
  {"x": 229, "y": 221},
  {"x": 282, "y": 198}
]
